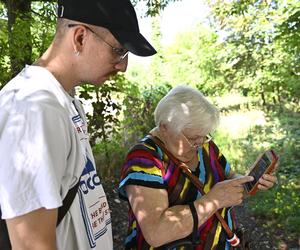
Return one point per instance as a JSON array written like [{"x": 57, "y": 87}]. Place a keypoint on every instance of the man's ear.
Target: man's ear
[{"x": 79, "y": 38}]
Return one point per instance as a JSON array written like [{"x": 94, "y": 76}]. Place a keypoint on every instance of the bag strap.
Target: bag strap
[
  {"x": 4, "y": 238},
  {"x": 67, "y": 202},
  {"x": 186, "y": 170}
]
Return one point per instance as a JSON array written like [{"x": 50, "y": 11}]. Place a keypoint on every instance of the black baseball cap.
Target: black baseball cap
[{"x": 118, "y": 16}]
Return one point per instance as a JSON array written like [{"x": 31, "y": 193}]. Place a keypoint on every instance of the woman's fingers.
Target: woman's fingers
[
  {"x": 229, "y": 192},
  {"x": 267, "y": 181}
]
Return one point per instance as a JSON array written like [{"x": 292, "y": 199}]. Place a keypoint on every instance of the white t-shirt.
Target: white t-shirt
[{"x": 44, "y": 150}]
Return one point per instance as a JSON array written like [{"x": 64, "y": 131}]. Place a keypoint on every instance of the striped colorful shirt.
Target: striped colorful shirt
[{"x": 147, "y": 165}]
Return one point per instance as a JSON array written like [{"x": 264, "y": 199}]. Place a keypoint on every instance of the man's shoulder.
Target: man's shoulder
[{"x": 33, "y": 89}]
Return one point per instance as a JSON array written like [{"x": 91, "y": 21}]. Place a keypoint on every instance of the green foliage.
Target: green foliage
[
  {"x": 109, "y": 155},
  {"x": 193, "y": 60},
  {"x": 43, "y": 28},
  {"x": 280, "y": 206},
  {"x": 104, "y": 118},
  {"x": 261, "y": 53},
  {"x": 19, "y": 34},
  {"x": 4, "y": 52},
  {"x": 248, "y": 52},
  {"x": 31, "y": 30},
  {"x": 139, "y": 105}
]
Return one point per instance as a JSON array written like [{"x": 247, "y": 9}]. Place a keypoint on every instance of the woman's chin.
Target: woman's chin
[{"x": 185, "y": 159}]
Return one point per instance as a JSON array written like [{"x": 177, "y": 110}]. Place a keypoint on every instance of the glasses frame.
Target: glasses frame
[
  {"x": 205, "y": 139},
  {"x": 121, "y": 52}
]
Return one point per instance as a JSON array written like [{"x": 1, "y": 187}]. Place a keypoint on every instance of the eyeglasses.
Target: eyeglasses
[
  {"x": 120, "y": 52},
  {"x": 194, "y": 143}
]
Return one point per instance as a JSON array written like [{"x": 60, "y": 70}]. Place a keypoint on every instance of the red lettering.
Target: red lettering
[
  {"x": 94, "y": 224},
  {"x": 94, "y": 214}
]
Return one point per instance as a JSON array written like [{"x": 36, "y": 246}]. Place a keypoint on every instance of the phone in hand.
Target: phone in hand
[{"x": 264, "y": 164}]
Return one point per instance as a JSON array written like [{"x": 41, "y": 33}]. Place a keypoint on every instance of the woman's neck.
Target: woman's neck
[{"x": 193, "y": 163}]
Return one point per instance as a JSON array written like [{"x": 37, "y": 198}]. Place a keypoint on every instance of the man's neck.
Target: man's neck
[{"x": 59, "y": 65}]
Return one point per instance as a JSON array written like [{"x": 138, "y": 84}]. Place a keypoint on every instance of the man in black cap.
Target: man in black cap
[{"x": 50, "y": 194}]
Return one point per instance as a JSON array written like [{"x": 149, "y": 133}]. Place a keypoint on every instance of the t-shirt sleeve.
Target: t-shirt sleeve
[
  {"x": 34, "y": 146},
  {"x": 142, "y": 167}
]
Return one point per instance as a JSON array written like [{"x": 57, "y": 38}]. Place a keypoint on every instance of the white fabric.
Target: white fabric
[{"x": 44, "y": 150}]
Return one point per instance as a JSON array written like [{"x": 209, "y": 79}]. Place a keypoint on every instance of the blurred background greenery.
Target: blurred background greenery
[{"x": 245, "y": 58}]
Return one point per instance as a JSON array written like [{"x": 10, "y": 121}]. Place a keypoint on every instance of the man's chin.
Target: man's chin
[
  {"x": 97, "y": 83},
  {"x": 100, "y": 81},
  {"x": 103, "y": 79},
  {"x": 108, "y": 77}
]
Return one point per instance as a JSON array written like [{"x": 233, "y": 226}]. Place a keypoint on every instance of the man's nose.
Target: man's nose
[{"x": 122, "y": 65}]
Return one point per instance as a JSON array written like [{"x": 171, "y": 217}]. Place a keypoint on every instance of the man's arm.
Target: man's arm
[{"x": 33, "y": 231}]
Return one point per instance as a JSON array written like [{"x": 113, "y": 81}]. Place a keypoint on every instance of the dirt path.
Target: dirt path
[{"x": 260, "y": 238}]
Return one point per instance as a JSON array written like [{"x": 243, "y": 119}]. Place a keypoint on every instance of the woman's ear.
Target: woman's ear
[{"x": 163, "y": 127}]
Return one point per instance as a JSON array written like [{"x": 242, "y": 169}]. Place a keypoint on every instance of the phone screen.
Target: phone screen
[{"x": 258, "y": 171}]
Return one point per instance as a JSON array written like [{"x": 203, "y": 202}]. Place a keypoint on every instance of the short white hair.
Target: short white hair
[{"x": 185, "y": 107}]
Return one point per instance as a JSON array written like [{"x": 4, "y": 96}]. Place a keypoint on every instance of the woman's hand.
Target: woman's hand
[
  {"x": 266, "y": 181},
  {"x": 228, "y": 193}
]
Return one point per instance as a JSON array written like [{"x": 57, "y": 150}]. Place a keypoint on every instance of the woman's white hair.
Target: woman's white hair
[{"x": 185, "y": 107}]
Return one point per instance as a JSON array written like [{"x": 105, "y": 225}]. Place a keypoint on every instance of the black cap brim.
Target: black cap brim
[{"x": 135, "y": 42}]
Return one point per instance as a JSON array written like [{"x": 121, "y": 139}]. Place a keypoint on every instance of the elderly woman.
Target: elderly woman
[{"x": 164, "y": 204}]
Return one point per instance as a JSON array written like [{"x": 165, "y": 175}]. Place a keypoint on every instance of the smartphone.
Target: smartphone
[{"x": 264, "y": 164}]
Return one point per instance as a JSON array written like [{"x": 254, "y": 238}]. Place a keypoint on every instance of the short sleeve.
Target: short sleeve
[
  {"x": 142, "y": 167},
  {"x": 34, "y": 145}
]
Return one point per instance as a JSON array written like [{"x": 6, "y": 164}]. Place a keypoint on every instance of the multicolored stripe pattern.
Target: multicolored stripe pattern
[{"x": 148, "y": 166}]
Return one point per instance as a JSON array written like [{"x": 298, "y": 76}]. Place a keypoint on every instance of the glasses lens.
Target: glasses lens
[
  {"x": 196, "y": 143},
  {"x": 120, "y": 51}
]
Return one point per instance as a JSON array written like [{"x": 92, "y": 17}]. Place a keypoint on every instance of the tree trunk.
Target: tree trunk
[
  {"x": 262, "y": 94},
  {"x": 19, "y": 34}
]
